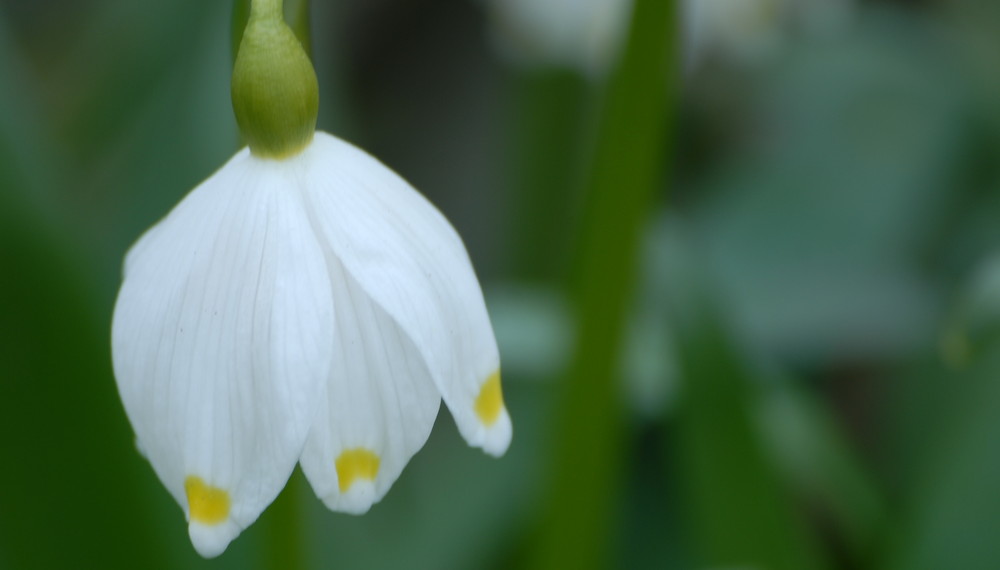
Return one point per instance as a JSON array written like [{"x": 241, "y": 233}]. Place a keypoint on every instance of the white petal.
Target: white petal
[
  {"x": 221, "y": 339},
  {"x": 411, "y": 262},
  {"x": 379, "y": 406}
]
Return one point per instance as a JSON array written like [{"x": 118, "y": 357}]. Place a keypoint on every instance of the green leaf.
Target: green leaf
[
  {"x": 952, "y": 512},
  {"x": 816, "y": 461},
  {"x": 741, "y": 515},
  {"x": 73, "y": 483}
]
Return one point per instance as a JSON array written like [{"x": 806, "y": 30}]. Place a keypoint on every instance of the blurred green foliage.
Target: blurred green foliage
[{"x": 801, "y": 373}]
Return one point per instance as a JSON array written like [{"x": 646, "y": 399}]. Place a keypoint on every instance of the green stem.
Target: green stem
[
  {"x": 266, "y": 9},
  {"x": 620, "y": 192},
  {"x": 546, "y": 130},
  {"x": 285, "y": 546}
]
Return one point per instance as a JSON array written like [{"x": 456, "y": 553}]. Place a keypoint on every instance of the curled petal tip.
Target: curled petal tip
[
  {"x": 210, "y": 528},
  {"x": 494, "y": 432},
  {"x": 496, "y": 437},
  {"x": 357, "y": 500},
  {"x": 211, "y": 540}
]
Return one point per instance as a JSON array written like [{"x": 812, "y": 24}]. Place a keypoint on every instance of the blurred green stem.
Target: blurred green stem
[
  {"x": 285, "y": 548},
  {"x": 547, "y": 128},
  {"x": 626, "y": 169}
]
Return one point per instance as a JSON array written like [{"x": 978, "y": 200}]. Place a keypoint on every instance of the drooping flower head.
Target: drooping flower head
[{"x": 305, "y": 305}]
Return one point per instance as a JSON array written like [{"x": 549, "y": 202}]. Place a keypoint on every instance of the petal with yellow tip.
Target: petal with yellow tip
[
  {"x": 218, "y": 352},
  {"x": 377, "y": 406},
  {"x": 406, "y": 257}
]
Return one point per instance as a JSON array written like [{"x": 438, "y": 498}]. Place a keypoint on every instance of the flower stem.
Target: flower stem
[
  {"x": 267, "y": 9},
  {"x": 285, "y": 546},
  {"x": 626, "y": 169},
  {"x": 546, "y": 129}
]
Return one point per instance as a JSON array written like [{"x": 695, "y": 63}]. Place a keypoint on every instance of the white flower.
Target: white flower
[{"x": 312, "y": 309}]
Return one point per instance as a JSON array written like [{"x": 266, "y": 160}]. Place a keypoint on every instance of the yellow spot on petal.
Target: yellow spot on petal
[
  {"x": 489, "y": 402},
  {"x": 354, "y": 464},
  {"x": 207, "y": 504}
]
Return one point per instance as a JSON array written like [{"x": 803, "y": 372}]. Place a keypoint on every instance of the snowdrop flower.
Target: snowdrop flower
[{"x": 304, "y": 304}]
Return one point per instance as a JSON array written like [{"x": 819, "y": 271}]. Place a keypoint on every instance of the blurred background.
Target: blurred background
[{"x": 742, "y": 258}]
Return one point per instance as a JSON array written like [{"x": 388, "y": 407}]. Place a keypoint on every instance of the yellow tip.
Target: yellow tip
[
  {"x": 207, "y": 504},
  {"x": 489, "y": 403},
  {"x": 354, "y": 464}
]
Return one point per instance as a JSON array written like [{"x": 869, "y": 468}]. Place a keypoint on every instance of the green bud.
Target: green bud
[{"x": 274, "y": 89}]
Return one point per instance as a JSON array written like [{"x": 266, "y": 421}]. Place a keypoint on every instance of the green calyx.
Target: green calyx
[{"x": 274, "y": 88}]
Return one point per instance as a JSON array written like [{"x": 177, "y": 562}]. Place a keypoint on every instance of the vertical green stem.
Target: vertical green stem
[
  {"x": 267, "y": 9},
  {"x": 545, "y": 132},
  {"x": 285, "y": 547},
  {"x": 630, "y": 153}
]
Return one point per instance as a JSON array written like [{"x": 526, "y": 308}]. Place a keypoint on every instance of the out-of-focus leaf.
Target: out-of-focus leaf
[
  {"x": 649, "y": 364},
  {"x": 797, "y": 434},
  {"x": 975, "y": 323},
  {"x": 33, "y": 162},
  {"x": 952, "y": 512},
  {"x": 817, "y": 225},
  {"x": 183, "y": 131},
  {"x": 926, "y": 392},
  {"x": 70, "y": 491},
  {"x": 121, "y": 61},
  {"x": 817, "y": 462},
  {"x": 741, "y": 515},
  {"x": 945, "y": 437}
]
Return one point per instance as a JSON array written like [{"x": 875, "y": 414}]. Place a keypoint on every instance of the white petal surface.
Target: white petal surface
[
  {"x": 411, "y": 262},
  {"x": 221, "y": 339},
  {"x": 379, "y": 406}
]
